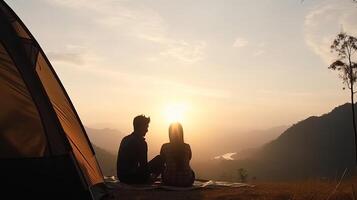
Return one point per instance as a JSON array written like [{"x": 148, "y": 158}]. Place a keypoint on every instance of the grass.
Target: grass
[{"x": 303, "y": 190}]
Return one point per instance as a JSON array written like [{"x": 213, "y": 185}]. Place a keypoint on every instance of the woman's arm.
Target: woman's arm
[
  {"x": 163, "y": 151},
  {"x": 190, "y": 152}
]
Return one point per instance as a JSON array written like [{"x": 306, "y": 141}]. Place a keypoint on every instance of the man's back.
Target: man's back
[{"x": 132, "y": 154}]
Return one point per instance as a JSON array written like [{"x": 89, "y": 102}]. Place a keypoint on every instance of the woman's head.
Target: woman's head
[{"x": 176, "y": 133}]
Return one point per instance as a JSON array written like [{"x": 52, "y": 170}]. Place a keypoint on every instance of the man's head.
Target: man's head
[{"x": 141, "y": 125}]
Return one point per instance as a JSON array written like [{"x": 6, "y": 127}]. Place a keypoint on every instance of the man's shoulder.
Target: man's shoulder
[
  {"x": 132, "y": 139},
  {"x": 125, "y": 138}
]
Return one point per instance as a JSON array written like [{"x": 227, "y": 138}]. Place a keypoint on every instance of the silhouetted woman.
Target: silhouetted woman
[{"x": 177, "y": 156}]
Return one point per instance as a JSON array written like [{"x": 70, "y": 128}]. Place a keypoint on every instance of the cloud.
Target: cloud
[
  {"x": 71, "y": 58},
  {"x": 141, "y": 24},
  {"x": 180, "y": 49},
  {"x": 257, "y": 48},
  {"x": 73, "y": 55},
  {"x": 324, "y": 22},
  {"x": 258, "y": 53},
  {"x": 240, "y": 42},
  {"x": 148, "y": 83},
  {"x": 187, "y": 52},
  {"x": 84, "y": 4},
  {"x": 138, "y": 22}
]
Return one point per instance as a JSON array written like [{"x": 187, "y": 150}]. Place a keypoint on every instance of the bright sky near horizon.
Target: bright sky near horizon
[{"x": 225, "y": 65}]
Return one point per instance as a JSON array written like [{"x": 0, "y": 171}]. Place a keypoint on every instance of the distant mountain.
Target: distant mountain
[
  {"x": 320, "y": 146},
  {"x": 106, "y": 160},
  {"x": 107, "y": 139},
  {"x": 243, "y": 144},
  {"x": 315, "y": 147},
  {"x": 105, "y": 143},
  {"x": 256, "y": 138}
]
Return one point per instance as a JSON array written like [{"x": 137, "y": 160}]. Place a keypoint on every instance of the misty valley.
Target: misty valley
[{"x": 317, "y": 147}]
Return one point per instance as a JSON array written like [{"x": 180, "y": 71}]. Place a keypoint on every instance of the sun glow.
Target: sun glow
[{"x": 175, "y": 112}]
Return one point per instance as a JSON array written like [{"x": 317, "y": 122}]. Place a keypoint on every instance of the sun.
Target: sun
[{"x": 175, "y": 112}]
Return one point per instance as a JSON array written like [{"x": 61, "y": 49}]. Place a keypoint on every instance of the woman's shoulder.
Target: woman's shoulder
[
  {"x": 187, "y": 147},
  {"x": 165, "y": 146}
]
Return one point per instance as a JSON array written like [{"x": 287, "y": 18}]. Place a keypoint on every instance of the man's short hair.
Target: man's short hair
[{"x": 140, "y": 121}]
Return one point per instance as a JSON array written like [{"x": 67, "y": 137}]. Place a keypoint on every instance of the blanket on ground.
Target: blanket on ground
[{"x": 198, "y": 184}]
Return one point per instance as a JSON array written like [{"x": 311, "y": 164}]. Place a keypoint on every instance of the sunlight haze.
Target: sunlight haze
[{"x": 217, "y": 67}]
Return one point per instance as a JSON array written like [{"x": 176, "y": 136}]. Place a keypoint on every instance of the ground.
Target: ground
[{"x": 306, "y": 190}]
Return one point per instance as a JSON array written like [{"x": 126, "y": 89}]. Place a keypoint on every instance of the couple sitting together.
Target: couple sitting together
[{"x": 172, "y": 163}]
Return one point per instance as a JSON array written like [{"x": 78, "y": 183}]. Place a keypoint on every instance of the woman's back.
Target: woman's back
[{"x": 177, "y": 164}]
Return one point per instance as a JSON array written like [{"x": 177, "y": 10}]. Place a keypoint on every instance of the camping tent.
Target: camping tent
[{"x": 44, "y": 148}]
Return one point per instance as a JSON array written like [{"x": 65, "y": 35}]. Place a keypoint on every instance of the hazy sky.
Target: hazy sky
[{"x": 232, "y": 65}]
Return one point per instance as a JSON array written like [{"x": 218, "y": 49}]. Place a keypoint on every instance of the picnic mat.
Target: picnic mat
[{"x": 113, "y": 183}]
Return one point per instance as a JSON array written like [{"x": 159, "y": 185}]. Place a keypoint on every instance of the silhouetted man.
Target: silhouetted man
[{"x": 132, "y": 164}]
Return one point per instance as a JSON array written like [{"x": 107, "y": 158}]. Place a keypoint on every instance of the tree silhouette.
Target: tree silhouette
[
  {"x": 243, "y": 174},
  {"x": 345, "y": 46}
]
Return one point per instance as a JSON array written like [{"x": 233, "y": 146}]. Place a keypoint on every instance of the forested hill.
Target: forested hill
[{"x": 317, "y": 146}]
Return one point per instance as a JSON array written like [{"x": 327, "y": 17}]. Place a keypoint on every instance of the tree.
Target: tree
[
  {"x": 243, "y": 175},
  {"x": 346, "y": 46}
]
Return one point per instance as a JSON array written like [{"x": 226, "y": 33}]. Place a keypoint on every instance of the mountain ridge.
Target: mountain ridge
[{"x": 316, "y": 147}]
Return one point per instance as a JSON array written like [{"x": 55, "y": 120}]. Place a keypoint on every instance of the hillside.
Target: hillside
[
  {"x": 105, "y": 143},
  {"x": 108, "y": 139},
  {"x": 306, "y": 190},
  {"x": 319, "y": 146},
  {"x": 106, "y": 160}
]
